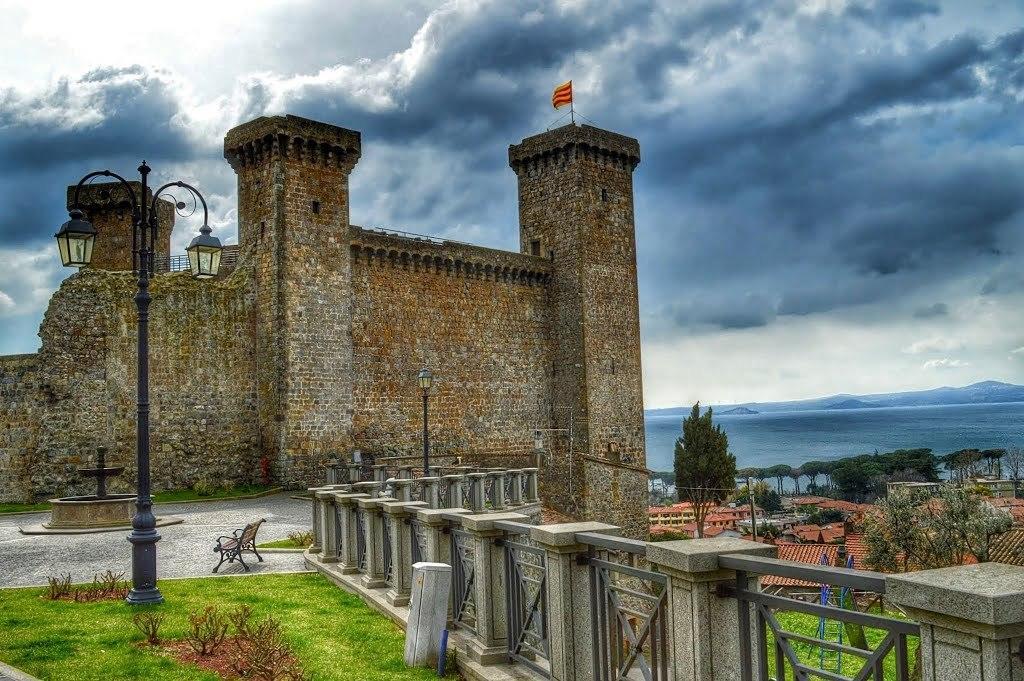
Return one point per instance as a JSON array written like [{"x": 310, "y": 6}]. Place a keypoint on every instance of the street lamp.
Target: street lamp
[
  {"x": 75, "y": 241},
  {"x": 426, "y": 379}
]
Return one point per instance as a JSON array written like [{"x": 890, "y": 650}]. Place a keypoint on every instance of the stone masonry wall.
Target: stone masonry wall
[
  {"x": 19, "y": 418},
  {"x": 201, "y": 384},
  {"x": 478, "y": 319}
]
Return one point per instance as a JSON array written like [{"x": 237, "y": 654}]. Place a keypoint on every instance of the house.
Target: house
[
  {"x": 812, "y": 554},
  {"x": 997, "y": 488},
  {"x": 675, "y": 515},
  {"x": 928, "y": 488}
]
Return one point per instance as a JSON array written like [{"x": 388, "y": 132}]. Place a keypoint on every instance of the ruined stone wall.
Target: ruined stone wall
[
  {"x": 19, "y": 411},
  {"x": 82, "y": 394},
  {"x": 479, "y": 319}
]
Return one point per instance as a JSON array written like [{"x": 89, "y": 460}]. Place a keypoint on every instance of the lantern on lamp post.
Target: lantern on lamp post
[{"x": 75, "y": 241}]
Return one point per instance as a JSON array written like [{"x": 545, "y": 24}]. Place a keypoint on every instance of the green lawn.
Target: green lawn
[
  {"x": 175, "y": 495},
  {"x": 803, "y": 623},
  {"x": 281, "y": 544},
  {"x": 21, "y": 508},
  {"x": 335, "y": 635}
]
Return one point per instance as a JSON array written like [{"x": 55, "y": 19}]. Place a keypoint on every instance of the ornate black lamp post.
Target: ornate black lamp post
[
  {"x": 75, "y": 241},
  {"x": 426, "y": 379}
]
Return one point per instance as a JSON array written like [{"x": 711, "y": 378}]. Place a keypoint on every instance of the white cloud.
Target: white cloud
[
  {"x": 945, "y": 363},
  {"x": 6, "y": 302},
  {"x": 933, "y": 345}
]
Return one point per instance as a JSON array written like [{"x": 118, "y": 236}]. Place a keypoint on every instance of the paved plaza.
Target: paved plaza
[{"x": 185, "y": 550}]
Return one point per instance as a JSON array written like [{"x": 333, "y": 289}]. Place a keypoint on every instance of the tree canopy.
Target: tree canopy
[{"x": 705, "y": 470}]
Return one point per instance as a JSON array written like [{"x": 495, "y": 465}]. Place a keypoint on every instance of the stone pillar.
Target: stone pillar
[
  {"x": 475, "y": 502},
  {"x": 498, "y": 501},
  {"x": 371, "y": 489},
  {"x": 531, "y": 485},
  {"x": 373, "y": 576},
  {"x": 515, "y": 497},
  {"x": 972, "y": 620},
  {"x": 453, "y": 485},
  {"x": 355, "y": 471},
  {"x": 568, "y": 592},
  {"x": 489, "y": 645},
  {"x": 380, "y": 472},
  {"x": 430, "y": 492},
  {"x": 317, "y": 521},
  {"x": 438, "y": 544},
  {"x": 695, "y": 607},
  {"x": 328, "y": 526},
  {"x": 403, "y": 489},
  {"x": 346, "y": 504},
  {"x": 398, "y": 513},
  {"x": 405, "y": 472}
]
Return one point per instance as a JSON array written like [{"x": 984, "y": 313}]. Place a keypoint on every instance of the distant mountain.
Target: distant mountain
[
  {"x": 739, "y": 411},
  {"x": 853, "y": 403},
  {"x": 985, "y": 392}
]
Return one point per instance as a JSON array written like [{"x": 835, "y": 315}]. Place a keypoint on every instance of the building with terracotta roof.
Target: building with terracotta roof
[
  {"x": 802, "y": 553},
  {"x": 675, "y": 515},
  {"x": 1008, "y": 547}
]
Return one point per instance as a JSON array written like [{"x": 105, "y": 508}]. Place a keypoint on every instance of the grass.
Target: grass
[
  {"x": 281, "y": 544},
  {"x": 23, "y": 508},
  {"x": 334, "y": 634},
  {"x": 176, "y": 495},
  {"x": 803, "y": 623}
]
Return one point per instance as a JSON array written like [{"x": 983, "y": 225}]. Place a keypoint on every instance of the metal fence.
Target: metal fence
[
  {"x": 629, "y": 610},
  {"x": 525, "y": 598},
  {"x": 797, "y": 651},
  {"x": 388, "y": 568},
  {"x": 360, "y": 539},
  {"x": 463, "y": 561},
  {"x": 179, "y": 263},
  {"x": 417, "y": 541}
]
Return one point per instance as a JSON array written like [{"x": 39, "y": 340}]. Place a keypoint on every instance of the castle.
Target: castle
[{"x": 309, "y": 345}]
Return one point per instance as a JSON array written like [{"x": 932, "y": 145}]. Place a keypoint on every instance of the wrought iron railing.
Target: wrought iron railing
[
  {"x": 179, "y": 263},
  {"x": 526, "y": 605},
  {"x": 360, "y": 539},
  {"x": 337, "y": 528},
  {"x": 417, "y": 540},
  {"x": 795, "y": 653},
  {"x": 629, "y": 610},
  {"x": 463, "y": 555},
  {"x": 388, "y": 568}
]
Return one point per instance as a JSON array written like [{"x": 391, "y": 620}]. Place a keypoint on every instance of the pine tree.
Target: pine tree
[{"x": 705, "y": 470}]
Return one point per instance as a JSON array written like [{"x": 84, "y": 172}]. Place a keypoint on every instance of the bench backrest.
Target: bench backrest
[{"x": 249, "y": 533}]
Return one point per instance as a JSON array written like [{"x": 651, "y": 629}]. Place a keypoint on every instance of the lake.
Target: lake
[{"x": 794, "y": 437}]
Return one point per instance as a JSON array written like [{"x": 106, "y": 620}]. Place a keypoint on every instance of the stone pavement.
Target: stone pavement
[{"x": 185, "y": 550}]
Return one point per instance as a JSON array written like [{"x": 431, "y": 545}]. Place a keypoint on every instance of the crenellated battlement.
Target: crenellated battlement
[
  {"x": 422, "y": 254},
  {"x": 295, "y": 138},
  {"x": 561, "y": 146}
]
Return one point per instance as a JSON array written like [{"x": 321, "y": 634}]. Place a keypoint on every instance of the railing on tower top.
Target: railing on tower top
[
  {"x": 629, "y": 610},
  {"x": 803, "y": 655},
  {"x": 179, "y": 263}
]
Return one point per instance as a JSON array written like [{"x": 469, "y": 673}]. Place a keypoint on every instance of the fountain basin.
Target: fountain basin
[{"x": 114, "y": 510}]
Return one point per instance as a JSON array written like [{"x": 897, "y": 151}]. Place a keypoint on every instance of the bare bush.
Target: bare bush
[
  {"x": 207, "y": 630},
  {"x": 149, "y": 624},
  {"x": 59, "y": 587}
]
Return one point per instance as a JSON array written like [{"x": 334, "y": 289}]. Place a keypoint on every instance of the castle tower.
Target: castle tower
[
  {"x": 108, "y": 209},
  {"x": 576, "y": 208},
  {"x": 293, "y": 222}
]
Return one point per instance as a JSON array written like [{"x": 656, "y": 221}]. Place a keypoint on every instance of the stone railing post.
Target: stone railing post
[
  {"x": 328, "y": 526},
  {"x": 498, "y": 501},
  {"x": 703, "y": 626},
  {"x": 515, "y": 497},
  {"x": 371, "y": 489},
  {"x": 430, "y": 492},
  {"x": 380, "y": 472},
  {"x": 405, "y": 472},
  {"x": 398, "y": 514},
  {"x": 568, "y": 596},
  {"x": 438, "y": 544},
  {"x": 317, "y": 521},
  {"x": 346, "y": 505},
  {"x": 971, "y": 617},
  {"x": 452, "y": 490},
  {"x": 489, "y": 645},
  {"x": 475, "y": 502},
  {"x": 334, "y": 471},
  {"x": 373, "y": 575},
  {"x": 532, "y": 496},
  {"x": 403, "y": 489},
  {"x": 355, "y": 471}
]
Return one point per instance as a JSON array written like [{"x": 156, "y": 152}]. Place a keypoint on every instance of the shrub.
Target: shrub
[
  {"x": 263, "y": 654},
  {"x": 241, "y": 619},
  {"x": 301, "y": 539},
  {"x": 207, "y": 630},
  {"x": 106, "y": 586},
  {"x": 149, "y": 624},
  {"x": 59, "y": 587},
  {"x": 203, "y": 488}
]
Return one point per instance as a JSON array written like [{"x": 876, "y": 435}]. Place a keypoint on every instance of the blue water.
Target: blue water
[{"x": 794, "y": 437}]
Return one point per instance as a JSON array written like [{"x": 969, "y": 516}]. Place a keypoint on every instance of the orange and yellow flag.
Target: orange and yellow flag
[{"x": 562, "y": 95}]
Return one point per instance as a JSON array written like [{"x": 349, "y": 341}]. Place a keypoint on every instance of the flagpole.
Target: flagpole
[{"x": 572, "y": 113}]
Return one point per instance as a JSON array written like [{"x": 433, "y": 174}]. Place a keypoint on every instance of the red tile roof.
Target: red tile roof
[
  {"x": 808, "y": 500},
  {"x": 856, "y": 547},
  {"x": 801, "y": 553},
  {"x": 844, "y": 506}
]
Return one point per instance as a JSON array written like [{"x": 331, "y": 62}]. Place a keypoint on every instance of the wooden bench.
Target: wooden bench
[{"x": 230, "y": 548}]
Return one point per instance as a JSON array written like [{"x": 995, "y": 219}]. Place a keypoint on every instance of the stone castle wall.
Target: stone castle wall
[
  {"x": 310, "y": 347},
  {"x": 81, "y": 393},
  {"x": 479, "y": 319}
]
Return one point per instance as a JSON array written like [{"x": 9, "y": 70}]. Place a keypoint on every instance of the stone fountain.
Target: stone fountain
[{"x": 97, "y": 511}]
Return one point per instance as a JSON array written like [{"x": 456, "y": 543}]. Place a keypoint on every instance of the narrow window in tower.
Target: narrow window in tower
[
  {"x": 535, "y": 247},
  {"x": 551, "y": 255},
  {"x": 316, "y": 208},
  {"x": 613, "y": 367},
  {"x": 604, "y": 194},
  {"x": 263, "y": 229}
]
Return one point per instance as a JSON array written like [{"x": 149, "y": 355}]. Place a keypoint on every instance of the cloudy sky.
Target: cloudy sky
[{"x": 831, "y": 197}]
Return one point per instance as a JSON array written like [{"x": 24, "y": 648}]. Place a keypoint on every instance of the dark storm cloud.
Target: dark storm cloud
[
  {"x": 931, "y": 311},
  {"x": 795, "y": 162}
]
